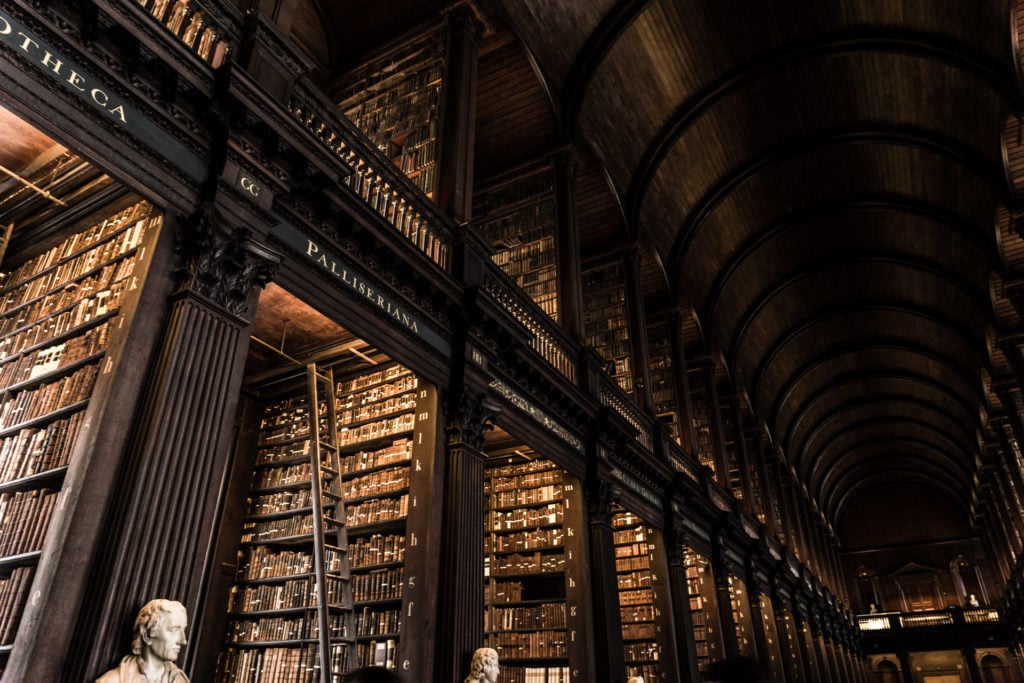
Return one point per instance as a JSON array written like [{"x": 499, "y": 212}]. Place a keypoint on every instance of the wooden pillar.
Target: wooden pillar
[
  {"x": 161, "y": 530},
  {"x": 707, "y": 367},
  {"x": 795, "y": 536},
  {"x": 723, "y": 602},
  {"x": 789, "y": 652},
  {"x": 460, "y": 620},
  {"x": 681, "y": 382},
  {"x": 905, "y": 667},
  {"x": 567, "y": 246},
  {"x": 637, "y": 328},
  {"x": 685, "y": 646},
  {"x": 609, "y": 663},
  {"x": 458, "y": 114},
  {"x": 767, "y": 488},
  {"x": 805, "y": 644},
  {"x": 75, "y": 533},
  {"x": 825, "y": 664},
  {"x": 743, "y": 459},
  {"x": 757, "y": 624},
  {"x": 970, "y": 655}
]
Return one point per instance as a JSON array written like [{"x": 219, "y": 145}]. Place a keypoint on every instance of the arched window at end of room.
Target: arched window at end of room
[{"x": 993, "y": 670}]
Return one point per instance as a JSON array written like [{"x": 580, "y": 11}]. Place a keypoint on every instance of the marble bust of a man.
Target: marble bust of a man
[
  {"x": 159, "y": 635},
  {"x": 484, "y": 668}
]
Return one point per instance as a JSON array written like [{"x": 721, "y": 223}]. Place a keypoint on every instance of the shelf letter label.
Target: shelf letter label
[{"x": 410, "y": 608}]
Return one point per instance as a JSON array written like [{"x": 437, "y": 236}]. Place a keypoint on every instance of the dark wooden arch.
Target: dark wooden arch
[
  {"x": 920, "y": 410},
  {"x": 775, "y": 290},
  {"x": 923, "y": 45},
  {"x": 838, "y": 312},
  {"x": 856, "y": 490},
  {"x": 896, "y": 203},
  {"x": 987, "y": 172},
  {"x": 890, "y": 443},
  {"x": 865, "y": 344},
  {"x": 867, "y": 376},
  {"x": 600, "y": 41}
]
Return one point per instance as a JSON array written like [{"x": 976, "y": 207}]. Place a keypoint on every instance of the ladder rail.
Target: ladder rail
[{"x": 319, "y": 541}]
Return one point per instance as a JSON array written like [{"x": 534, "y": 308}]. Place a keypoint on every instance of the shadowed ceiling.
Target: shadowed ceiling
[{"x": 825, "y": 184}]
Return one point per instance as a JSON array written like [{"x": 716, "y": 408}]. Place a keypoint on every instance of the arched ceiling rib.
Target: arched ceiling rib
[{"x": 820, "y": 183}]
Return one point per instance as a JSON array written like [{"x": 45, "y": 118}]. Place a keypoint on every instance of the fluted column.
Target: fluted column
[
  {"x": 788, "y": 649},
  {"x": 707, "y": 367},
  {"x": 567, "y": 242},
  {"x": 681, "y": 384},
  {"x": 610, "y": 660},
  {"x": 460, "y": 621},
  {"x": 160, "y": 534},
  {"x": 685, "y": 645},
  {"x": 805, "y": 644},
  {"x": 637, "y": 328},
  {"x": 723, "y": 602}
]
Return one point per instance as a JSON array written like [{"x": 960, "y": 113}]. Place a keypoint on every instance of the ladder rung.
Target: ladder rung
[
  {"x": 331, "y": 494},
  {"x": 331, "y": 520},
  {"x": 328, "y": 546}
]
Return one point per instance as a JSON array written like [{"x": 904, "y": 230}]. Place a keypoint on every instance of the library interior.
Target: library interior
[{"x": 631, "y": 340}]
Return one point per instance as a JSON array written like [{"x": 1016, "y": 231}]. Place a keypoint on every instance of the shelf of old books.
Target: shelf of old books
[
  {"x": 635, "y": 552},
  {"x": 274, "y": 612},
  {"x": 772, "y": 636},
  {"x": 394, "y": 99},
  {"x": 700, "y": 417},
  {"x": 59, "y": 313},
  {"x": 518, "y": 219},
  {"x": 605, "y": 325},
  {"x": 376, "y": 414},
  {"x": 701, "y": 584},
  {"x": 533, "y": 514},
  {"x": 663, "y": 390},
  {"x": 740, "y": 605}
]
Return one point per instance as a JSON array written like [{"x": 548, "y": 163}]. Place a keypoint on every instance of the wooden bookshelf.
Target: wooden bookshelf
[
  {"x": 663, "y": 391},
  {"x": 60, "y": 313},
  {"x": 378, "y": 410},
  {"x": 700, "y": 418},
  {"x": 731, "y": 436},
  {"x": 290, "y": 555},
  {"x": 701, "y": 585},
  {"x": 634, "y": 554},
  {"x": 740, "y": 606},
  {"x": 518, "y": 219},
  {"x": 377, "y": 431},
  {"x": 532, "y": 508},
  {"x": 395, "y": 100},
  {"x": 605, "y": 323}
]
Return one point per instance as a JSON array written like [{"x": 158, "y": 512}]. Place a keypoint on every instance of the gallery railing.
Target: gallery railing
[
  {"x": 204, "y": 27},
  {"x": 889, "y": 621}
]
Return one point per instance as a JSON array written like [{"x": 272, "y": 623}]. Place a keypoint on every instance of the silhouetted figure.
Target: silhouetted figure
[
  {"x": 372, "y": 674},
  {"x": 738, "y": 670}
]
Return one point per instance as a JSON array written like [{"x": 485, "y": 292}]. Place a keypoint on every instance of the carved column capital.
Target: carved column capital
[
  {"x": 222, "y": 264},
  {"x": 469, "y": 418},
  {"x": 602, "y": 492},
  {"x": 465, "y": 17}
]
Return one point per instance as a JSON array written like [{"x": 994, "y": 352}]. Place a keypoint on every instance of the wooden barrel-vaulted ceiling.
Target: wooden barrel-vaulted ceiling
[{"x": 819, "y": 181}]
